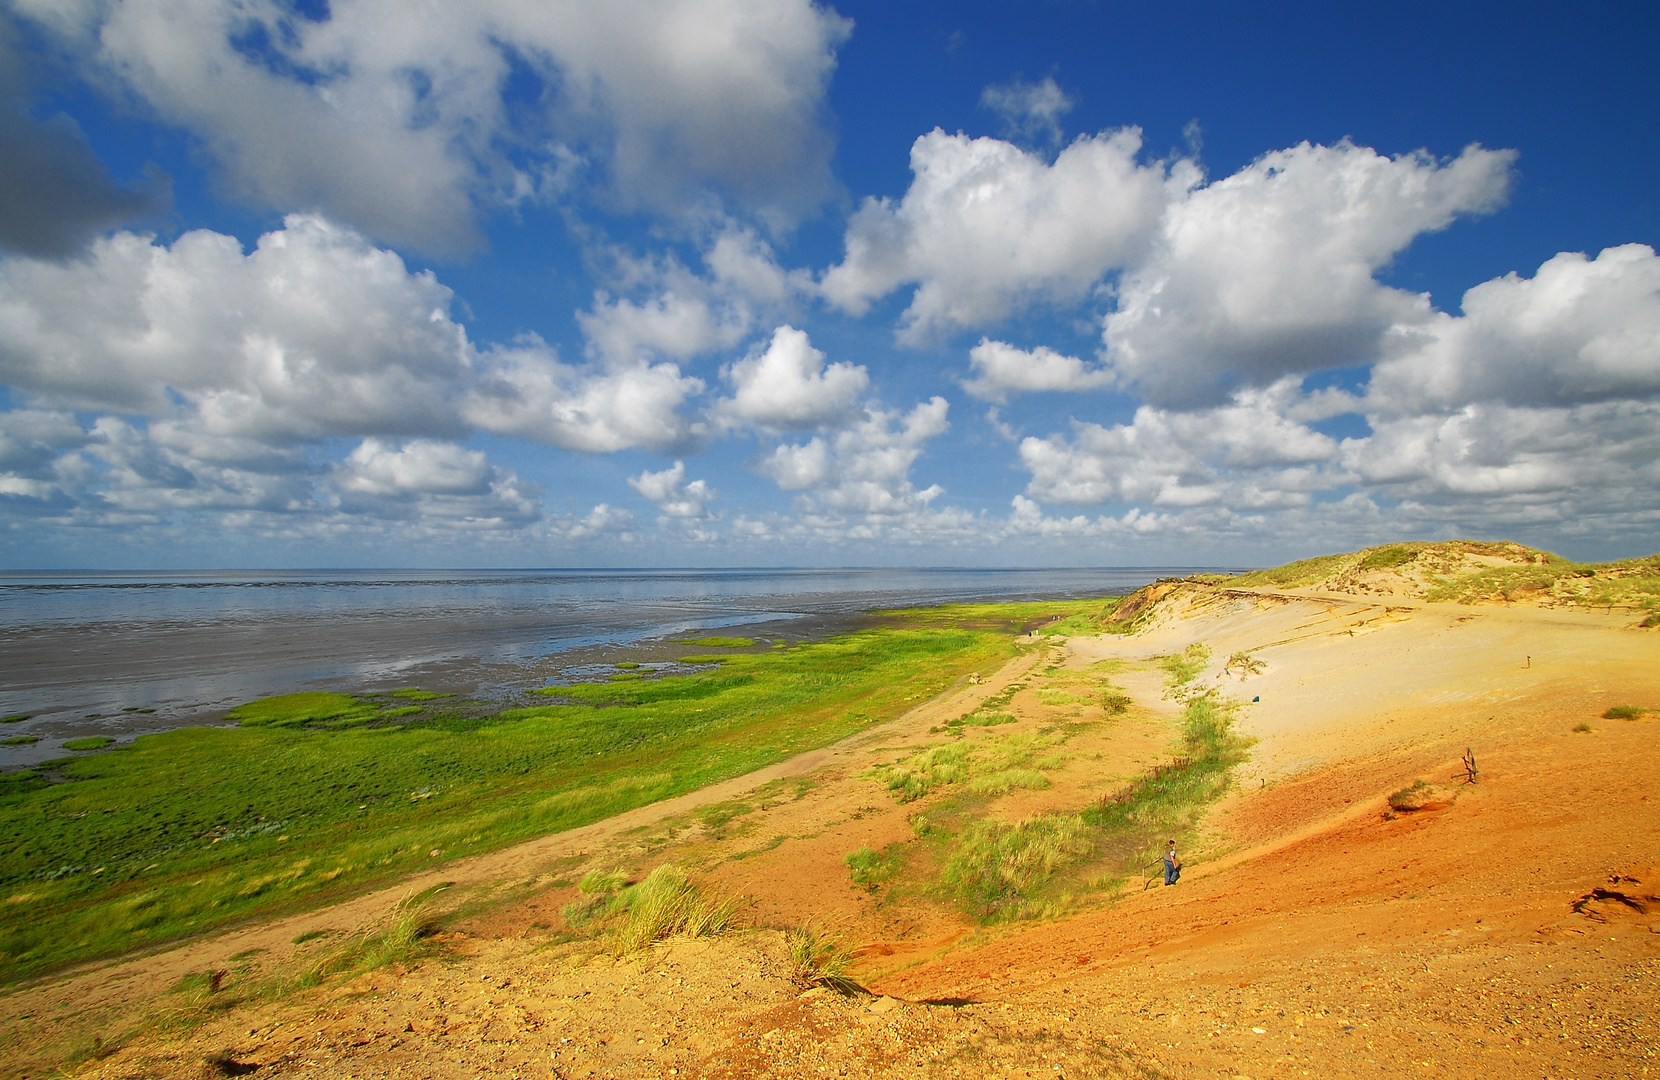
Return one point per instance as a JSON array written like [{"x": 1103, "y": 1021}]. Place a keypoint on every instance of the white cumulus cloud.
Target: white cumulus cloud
[
  {"x": 1579, "y": 330},
  {"x": 1270, "y": 271},
  {"x": 673, "y": 495},
  {"x": 865, "y": 468},
  {"x": 1029, "y": 111},
  {"x": 788, "y": 387},
  {"x": 1246, "y": 454},
  {"x": 987, "y": 227},
  {"x": 400, "y": 124},
  {"x": 1002, "y": 369}
]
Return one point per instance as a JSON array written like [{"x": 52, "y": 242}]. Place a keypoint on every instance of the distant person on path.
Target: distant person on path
[{"x": 1172, "y": 865}]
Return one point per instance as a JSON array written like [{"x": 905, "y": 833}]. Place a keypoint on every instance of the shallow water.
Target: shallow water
[{"x": 81, "y": 653}]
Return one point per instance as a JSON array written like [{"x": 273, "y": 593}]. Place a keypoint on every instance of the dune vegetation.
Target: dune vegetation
[
  {"x": 315, "y": 796},
  {"x": 1473, "y": 571}
]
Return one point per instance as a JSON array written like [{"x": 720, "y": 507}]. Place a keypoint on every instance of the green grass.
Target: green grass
[
  {"x": 1083, "y": 623},
  {"x": 184, "y": 831},
  {"x": 1624, "y": 712},
  {"x": 91, "y": 742},
  {"x": 14, "y": 718},
  {"x": 627, "y": 665},
  {"x": 997, "y": 869},
  {"x": 1525, "y": 572},
  {"x": 20, "y": 740},
  {"x": 1184, "y": 667},
  {"x": 415, "y": 694},
  {"x": 989, "y": 766},
  {"x": 821, "y": 959},
  {"x": 1295, "y": 574},
  {"x": 870, "y": 869},
  {"x": 293, "y": 710},
  {"x": 1170, "y": 798},
  {"x": 1393, "y": 555},
  {"x": 1014, "y": 618},
  {"x": 666, "y": 904},
  {"x": 720, "y": 642}
]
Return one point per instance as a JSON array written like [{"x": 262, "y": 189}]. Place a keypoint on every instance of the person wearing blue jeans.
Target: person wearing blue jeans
[{"x": 1172, "y": 865}]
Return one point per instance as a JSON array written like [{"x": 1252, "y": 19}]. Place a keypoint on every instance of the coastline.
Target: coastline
[{"x": 124, "y": 655}]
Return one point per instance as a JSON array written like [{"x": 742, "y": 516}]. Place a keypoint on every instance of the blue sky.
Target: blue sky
[{"x": 764, "y": 282}]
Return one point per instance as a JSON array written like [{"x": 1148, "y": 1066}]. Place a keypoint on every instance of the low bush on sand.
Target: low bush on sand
[
  {"x": 1411, "y": 797},
  {"x": 664, "y": 904},
  {"x": 1624, "y": 712},
  {"x": 820, "y": 959},
  {"x": 997, "y": 868},
  {"x": 870, "y": 868},
  {"x": 1185, "y": 666}
]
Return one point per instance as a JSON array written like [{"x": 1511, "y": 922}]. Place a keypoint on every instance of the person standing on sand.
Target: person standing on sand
[{"x": 1172, "y": 864}]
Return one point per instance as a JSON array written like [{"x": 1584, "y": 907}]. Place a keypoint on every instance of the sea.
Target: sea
[{"x": 125, "y": 654}]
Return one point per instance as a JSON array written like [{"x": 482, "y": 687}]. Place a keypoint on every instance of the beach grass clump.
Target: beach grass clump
[
  {"x": 186, "y": 830},
  {"x": 1389, "y": 556},
  {"x": 1624, "y": 712},
  {"x": 997, "y": 869},
  {"x": 627, "y": 665},
  {"x": 722, "y": 642},
  {"x": 20, "y": 740},
  {"x": 14, "y": 718},
  {"x": 913, "y": 777},
  {"x": 91, "y": 742},
  {"x": 1003, "y": 781},
  {"x": 597, "y": 894},
  {"x": 1187, "y": 665},
  {"x": 989, "y": 766},
  {"x": 820, "y": 959},
  {"x": 870, "y": 869},
  {"x": 666, "y": 904},
  {"x": 1409, "y": 798},
  {"x": 980, "y": 718},
  {"x": 1582, "y": 728}
]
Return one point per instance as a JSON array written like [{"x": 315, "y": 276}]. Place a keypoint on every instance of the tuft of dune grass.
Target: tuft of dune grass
[
  {"x": 821, "y": 959},
  {"x": 997, "y": 867},
  {"x": 666, "y": 904}
]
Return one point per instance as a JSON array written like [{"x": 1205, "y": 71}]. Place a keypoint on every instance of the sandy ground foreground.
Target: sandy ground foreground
[{"x": 1509, "y": 928}]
